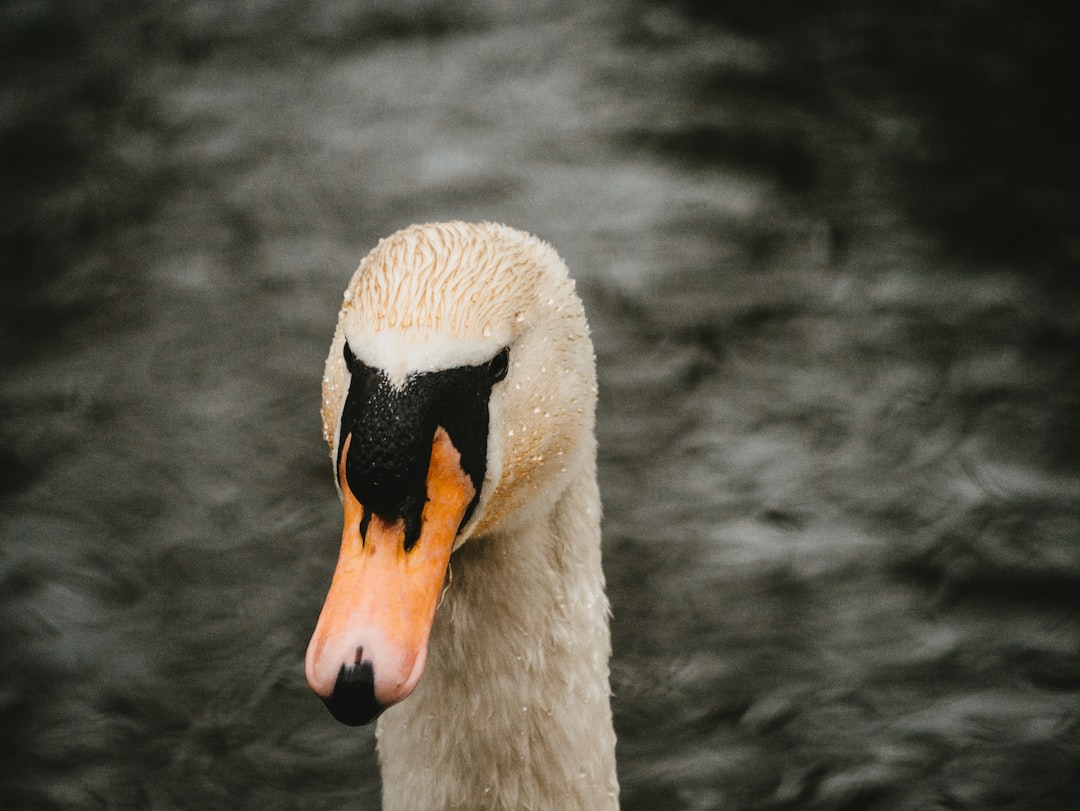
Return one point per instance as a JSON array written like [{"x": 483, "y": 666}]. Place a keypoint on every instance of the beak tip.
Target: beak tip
[{"x": 352, "y": 701}]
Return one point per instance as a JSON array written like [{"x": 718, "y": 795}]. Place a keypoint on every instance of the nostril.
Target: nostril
[{"x": 353, "y": 701}]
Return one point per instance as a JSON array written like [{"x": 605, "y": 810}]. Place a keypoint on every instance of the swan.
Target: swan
[{"x": 458, "y": 404}]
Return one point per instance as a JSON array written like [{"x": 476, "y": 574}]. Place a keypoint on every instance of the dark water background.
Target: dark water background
[{"x": 830, "y": 256}]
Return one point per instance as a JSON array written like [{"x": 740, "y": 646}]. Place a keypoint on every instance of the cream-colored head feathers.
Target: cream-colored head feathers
[{"x": 439, "y": 296}]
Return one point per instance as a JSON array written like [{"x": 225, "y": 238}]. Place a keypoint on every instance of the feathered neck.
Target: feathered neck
[{"x": 513, "y": 711}]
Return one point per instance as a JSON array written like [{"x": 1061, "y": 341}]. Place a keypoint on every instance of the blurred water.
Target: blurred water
[{"x": 830, "y": 261}]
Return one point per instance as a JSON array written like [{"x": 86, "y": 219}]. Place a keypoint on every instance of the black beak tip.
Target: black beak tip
[{"x": 353, "y": 701}]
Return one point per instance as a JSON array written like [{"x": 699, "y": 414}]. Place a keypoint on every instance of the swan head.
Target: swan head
[{"x": 458, "y": 398}]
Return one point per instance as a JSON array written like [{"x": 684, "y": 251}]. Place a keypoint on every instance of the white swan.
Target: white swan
[{"x": 458, "y": 403}]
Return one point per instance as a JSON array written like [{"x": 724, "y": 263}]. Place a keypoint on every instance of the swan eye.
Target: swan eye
[
  {"x": 359, "y": 370},
  {"x": 499, "y": 365}
]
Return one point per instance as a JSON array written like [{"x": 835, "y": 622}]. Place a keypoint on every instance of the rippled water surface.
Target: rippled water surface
[{"x": 830, "y": 262}]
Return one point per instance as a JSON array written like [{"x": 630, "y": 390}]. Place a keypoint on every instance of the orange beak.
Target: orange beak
[{"x": 370, "y": 644}]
